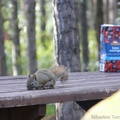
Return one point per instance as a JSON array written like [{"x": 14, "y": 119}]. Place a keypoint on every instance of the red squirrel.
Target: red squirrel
[{"x": 46, "y": 78}]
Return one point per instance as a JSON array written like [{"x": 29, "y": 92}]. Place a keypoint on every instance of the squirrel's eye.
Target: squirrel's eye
[{"x": 32, "y": 83}]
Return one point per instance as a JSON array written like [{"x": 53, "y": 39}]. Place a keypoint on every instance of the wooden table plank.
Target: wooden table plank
[
  {"x": 88, "y": 85},
  {"x": 79, "y": 87}
]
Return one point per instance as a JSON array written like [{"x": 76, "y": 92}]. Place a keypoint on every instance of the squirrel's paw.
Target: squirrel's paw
[{"x": 49, "y": 85}]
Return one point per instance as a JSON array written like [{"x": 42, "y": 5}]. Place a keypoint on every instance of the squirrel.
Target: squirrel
[{"x": 46, "y": 78}]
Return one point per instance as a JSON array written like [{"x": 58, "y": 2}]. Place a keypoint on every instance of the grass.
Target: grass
[
  {"x": 50, "y": 109},
  {"x": 50, "y": 112}
]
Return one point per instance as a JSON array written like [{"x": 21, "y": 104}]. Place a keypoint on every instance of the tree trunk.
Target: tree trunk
[
  {"x": 117, "y": 20},
  {"x": 43, "y": 22},
  {"x": 84, "y": 39},
  {"x": 91, "y": 13},
  {"x": 16, "y": 54},
  {"x": 31, "y": 40},
  {"x": 118, "y": 6},
  {"x": 66, "y": 40},
  {"x": 43, "y": 15},
  {"x": 98, "y": 21},
  {"x": 106, "y": 11},
  {"x": 67, "y": 51},
  {"x": 69, "y": 111},
  {"x": 2, "y": 52},
  {"x": 112, "y": 11}
]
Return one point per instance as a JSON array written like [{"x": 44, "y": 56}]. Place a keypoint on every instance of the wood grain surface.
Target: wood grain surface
[{"x": 80, "y": 86}]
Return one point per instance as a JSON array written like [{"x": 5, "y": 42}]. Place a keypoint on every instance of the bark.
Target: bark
[
  {"x": 98, "y": 21},
  {"x": 2, "y": 47},
  {"x": 91, "y": 13},
  {"x": 69, "y": 111},
  {"x": 106, "y": 11},
  {"x": 43, "y": 22},
  {"x": 43, "y": 15},
  {"x": 112, "y": 11},
  {"x": 31, "y": 39},
  {"x": 16, "y": 54},
  {"x": 117, "y": 20},
  {"x": 67, "y": 51},
  {"x": 118, "y": 5},
  {"x": 84, "y": 34}
]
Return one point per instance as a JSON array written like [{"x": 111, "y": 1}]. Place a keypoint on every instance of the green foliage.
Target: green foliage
[
  {"x": 45, "y": 55},
  {"x": 8, "y": 52},
  {"x": 50, "y": 109},
  {"x": 93, "y": 53},
  {"x": 44, "y": 49},
  {"x": 23, "y": 56},
  {"x": 50, "y": 112},
  {"x": 44, "y": 39}
]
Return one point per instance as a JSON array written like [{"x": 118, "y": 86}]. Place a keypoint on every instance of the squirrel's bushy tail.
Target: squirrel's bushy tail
[{"x": 60, "y": 72}]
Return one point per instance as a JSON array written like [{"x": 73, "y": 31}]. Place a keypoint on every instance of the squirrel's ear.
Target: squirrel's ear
[
  {"x": 29, "y": 75},
  {"x": 34, "y": 76}
]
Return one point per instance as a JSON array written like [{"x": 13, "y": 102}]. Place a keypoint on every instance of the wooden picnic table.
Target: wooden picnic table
[{"x": 18, "y": 103}]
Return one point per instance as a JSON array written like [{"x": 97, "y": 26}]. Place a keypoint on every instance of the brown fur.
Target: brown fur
[
  {"x": 60, "y": 72},
  {"x": 46, "y": 78}
]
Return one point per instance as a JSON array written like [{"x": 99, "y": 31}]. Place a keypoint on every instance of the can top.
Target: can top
[{"x": 110, "y": 25}]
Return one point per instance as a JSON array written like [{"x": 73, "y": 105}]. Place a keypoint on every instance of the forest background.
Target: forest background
[
  {"x": 27, "y": 34},
  {"x": 28, "y": 23}
]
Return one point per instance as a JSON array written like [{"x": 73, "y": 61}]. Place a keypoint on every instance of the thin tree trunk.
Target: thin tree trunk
[
  {"x": 31, "y": 39},
  {"x": 43, "y": 15},
  {"x": 112, "y": 11},
  {"x": 106, "y": 11},
  {"x": 43, "y": 21},
  {"x": 98, "y": 22},
  {"x": 16, "y": 54},
  {"x": 91, "y": 13},
  {"x": 84, "y": 39},
  {"x": 67, "y": 51},
  {"x": 117, "y": 20},
  {"x": 118, "y": 5},
  {"x": 2, "y": 51}
]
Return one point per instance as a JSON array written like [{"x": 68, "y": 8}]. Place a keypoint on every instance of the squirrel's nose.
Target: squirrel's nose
[{"x": 29, "y": 88}]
